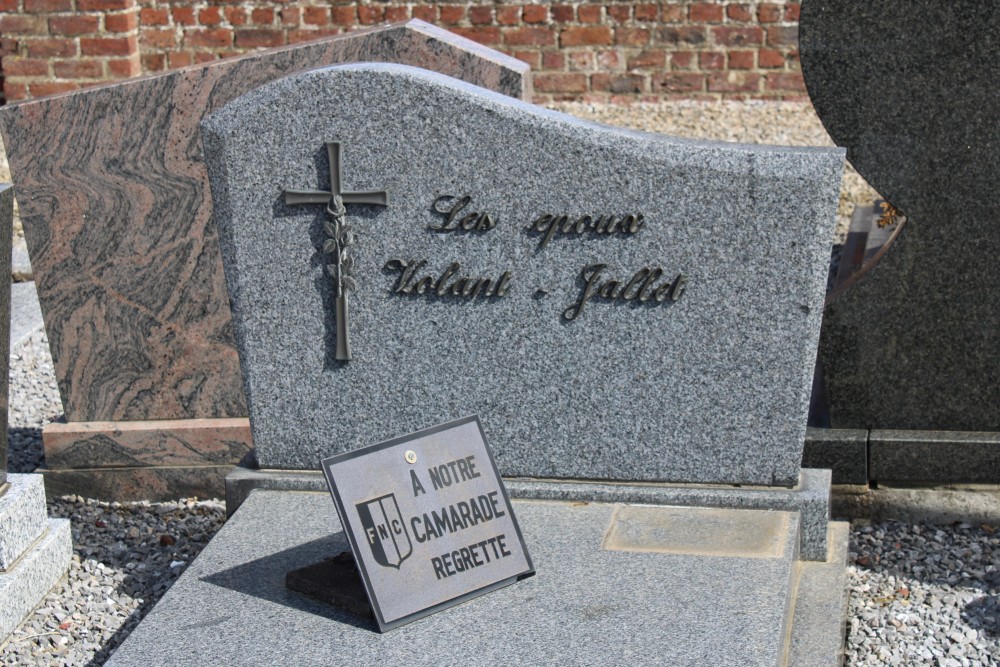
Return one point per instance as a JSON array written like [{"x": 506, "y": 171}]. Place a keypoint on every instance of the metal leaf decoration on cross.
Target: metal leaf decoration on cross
[{"x": 339, "y": 237}]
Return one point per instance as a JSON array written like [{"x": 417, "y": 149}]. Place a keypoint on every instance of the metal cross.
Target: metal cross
[{"x": 340, "y": 236}]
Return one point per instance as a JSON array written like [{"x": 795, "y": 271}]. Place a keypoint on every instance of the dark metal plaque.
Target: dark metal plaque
[{"x": 428, "y": 519}]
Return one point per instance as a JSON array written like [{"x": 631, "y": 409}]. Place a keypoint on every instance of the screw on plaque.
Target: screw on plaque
[{"x": 410, "y": 456}]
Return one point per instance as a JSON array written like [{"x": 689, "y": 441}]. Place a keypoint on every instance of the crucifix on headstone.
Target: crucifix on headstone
[{"x": 340, "y": 236}]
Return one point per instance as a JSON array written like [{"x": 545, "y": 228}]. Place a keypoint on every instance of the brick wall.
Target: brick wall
[{"x": 629, "y": 50}]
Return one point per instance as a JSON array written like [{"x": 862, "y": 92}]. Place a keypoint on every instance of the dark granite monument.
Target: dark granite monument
[
  {"x": 634, "y": 319},
  {"x": 909, "y": 89},
  {"x": 116, "y": 208}
]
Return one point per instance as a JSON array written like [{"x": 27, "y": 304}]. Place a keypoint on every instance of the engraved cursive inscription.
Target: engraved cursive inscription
[
  {"x": 548, "y": 225},
  {"x": 641, "y": 287},
  {"x": 451, "y": 207},
  {"x": 466, "y": 287}
]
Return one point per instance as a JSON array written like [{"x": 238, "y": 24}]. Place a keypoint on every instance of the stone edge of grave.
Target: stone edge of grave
[{"x": 811, "y": 497}]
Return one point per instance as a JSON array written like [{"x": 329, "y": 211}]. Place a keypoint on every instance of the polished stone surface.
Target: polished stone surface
[
  {"x": 810, "y": 498},
  {"x": 116, "y": 208},
  {"x": 39, "y": 569},
  {"x": 929, "y": 457},
  {"x": 909, "y": 88},
  {"x": 844, "y": 451},
  {"x": 586, "y": 605},
  {"x": 22, "y": 516},
  {"x": 711, "y": 388},
  {"x": 142, "y": 482},
  {"x": 6, "y": 231}
]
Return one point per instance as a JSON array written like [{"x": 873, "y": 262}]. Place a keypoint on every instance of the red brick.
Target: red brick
[
  {"x": 769, "y": 13},
  {"x": 619, "y": 13},
  {"x": 711, "y": 60},
  {"x": 78, "y": 69},
  {"x": 783, "y": 36},
  {"x": 213, "y": 38},
  {"x": 730, "y": 82},
  {"x": 674, "y": 13},
  {"x": 201, "y": 57},
  {"x": 738, "y": 36},
  {"x": 553, "y": 60},
  {"x": 368, "y": 14},
  {"x": 25, "y": 67},
  {"x": 287, "y": 16},
  {"x": 150, "y": 16},
  {"x": 103, "y": 5},
  {"x": 8, "y": 45},
  {"x": 51, "y": 48},
  {"x": 425, "y": 13},
  {"x": 9, "y": 6},
  {"x": 532, "y": 58},
  {"x": 785, "y": 81},
  {"x": 632, "y": 36},
  {"x": 47, "y": 6},
  {"x": 154, "y": 62},
  {"x": 529, "y": 36},
  {"x": 646, "y": 12},
  {"x": 693, "y": 35},
  {"x": 401, "y": 13},
  {"x": 624, "y": 83},
  {"x": 262, "y": 16},
  {"x": 506, "y": 15},
  {"x": 560, "y": 82},
  {"x": 348, "y": 15},
  {"x": 580, "y": 61},
  {"x": 159, "y": 39},
  {"x": 771, "y": 58},
  {"x": 451, "y": 14},
  {"x": 297, "y": 36},
  {"x": 108, "y": 46},
  {"x": 238, "y": 16},
  {"x": 562, "y": 13},
  {"x": 481, "y": 15},
  {"x": 183, "y": 15},
  {"x": 585, "y": 36},
  {"x": 124, "y": 68},
  {"x": 741, "y": 60},
  {"x": 706, "y": 12},
  {"x": 43, "y": 88},
  {"x": 488, "y": 35},
  {"x": 70, "y": 26},
  {"x": 792, "y": 11},
  {"x": 256, "y": 38},
  {"x": 741, "y": 13},
  {"x": 210, "y": 16},
  {"x": 534, "y": 13},
  {"x": 315, "y": 15},
  {"x": 675, "y": 82},
  {"x": 589, "y": 14},
  {"x": 610, "y": 60},
  {"x": 14, "y": 91},
  {"x": 123, "y": 22},
  {"x": 179, "y": 59},
  {"x": 681, "y": 59},
  {"x": 648, "y": 60}
]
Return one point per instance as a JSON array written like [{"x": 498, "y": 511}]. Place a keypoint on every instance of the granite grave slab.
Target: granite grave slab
[
  {"x": 614, "y": 305},
  {"x": 116, "y": 208},
  {"x": 6, "y": 229},
  {"x": 908, "y": 88},
  {"x": 629, "y": 314}
]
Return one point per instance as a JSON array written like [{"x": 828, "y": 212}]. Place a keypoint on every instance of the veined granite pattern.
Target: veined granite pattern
[
  {"x": 6, "y": 220},
  {"x": 712, "y": 387},
  {"x": 181, "y": 442},
  {"x": 116, "y": 208},
  {"x": 909, "y": 88}
]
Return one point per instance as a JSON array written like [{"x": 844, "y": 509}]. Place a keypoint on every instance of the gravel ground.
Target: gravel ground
[{"x": 920, "y": 594}]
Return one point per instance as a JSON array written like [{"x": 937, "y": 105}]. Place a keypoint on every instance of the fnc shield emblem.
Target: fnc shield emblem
[{"x": 385, "y": 530}]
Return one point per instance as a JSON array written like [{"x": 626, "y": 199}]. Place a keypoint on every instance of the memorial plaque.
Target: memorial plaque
[{"x": 428, "y": 519}]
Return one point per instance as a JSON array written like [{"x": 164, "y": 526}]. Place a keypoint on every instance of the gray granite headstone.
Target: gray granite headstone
[
  {"x": 708, "y": 383},
  {"x": 909, "y": 88}
]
